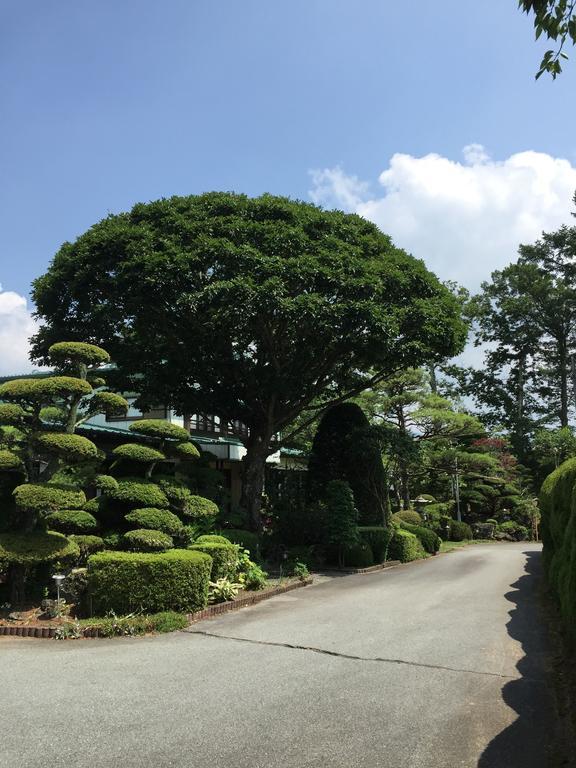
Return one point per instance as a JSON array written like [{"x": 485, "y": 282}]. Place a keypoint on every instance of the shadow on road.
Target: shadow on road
[{"x": 528, "y": 741}]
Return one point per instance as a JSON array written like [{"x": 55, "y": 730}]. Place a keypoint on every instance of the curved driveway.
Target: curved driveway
[{"x": 436, "y": 664}]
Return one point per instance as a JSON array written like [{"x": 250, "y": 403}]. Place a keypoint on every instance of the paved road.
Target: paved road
[{"x": 436, "y": 664}]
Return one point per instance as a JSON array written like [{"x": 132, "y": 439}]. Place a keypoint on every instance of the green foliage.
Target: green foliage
[
  {"x": 224, "y": 557},
  {"x": 139, "y": 624},
  {"x": 125, "y": 581},
  {"x": 35, "y": 391},
  {"x": 556, "y": 19},
  {"x": 106, "y": 483},
  {"x": 39, "y": 497},
  {"x": 145, "y": 540},
  {"x": 459, "y": 531},
  {"x": 30, "y": 549},
  {"x": 254, "y": 577},
  {"x": 136, "y": 452},
  {"x": 300, "y": 571},
  {"x": 405, "y": 546},
  {"x": 113, "y": 540},
  {"x": 408, "y": 516},
  {"x": 155, "y": 519},
  {"x": 163, "y": 430},
  {"x": 139, "y": 493},
  {"x": 72, "y": 448},
  {"x": 429, "y": 540},
  {"x": 341, "y": 521},
  {"x": 200, "y": 510},
  {"x": 222, "y": 590},
  {"x": 107, "y": 402},
  {"x": 184, "y": 451},
  {"x": 346, "y": 448},
  {"x": 378, "y": 539},
  {"x": 246, "y": 539},
  {"x": 213, "y": 538},
  {"x": 9, "y": 461},
  {"x": 71, "y": 521},
  {"x": 516, "y": 530},
  {"x": 357, "y": 555},
  {"x": 78, "y": 352},
  {"x": 88, "y": 545},
  {"x": 12, "y": 415}
]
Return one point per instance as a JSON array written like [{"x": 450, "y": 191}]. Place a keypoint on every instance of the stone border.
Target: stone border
[
  {"x": 244, "y": 602},
  {"x": 205, "y": 613},
  {"x": 370, "y": 569}
]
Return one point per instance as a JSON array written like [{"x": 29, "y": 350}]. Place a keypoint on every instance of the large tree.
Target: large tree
[{"x": 251, "y": 309}]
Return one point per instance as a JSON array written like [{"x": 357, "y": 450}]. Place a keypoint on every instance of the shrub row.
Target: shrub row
[{"x": 405, "y": 546}]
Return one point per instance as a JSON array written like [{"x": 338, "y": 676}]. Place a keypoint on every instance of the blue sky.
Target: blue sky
[{"x": 110, "y": 103}]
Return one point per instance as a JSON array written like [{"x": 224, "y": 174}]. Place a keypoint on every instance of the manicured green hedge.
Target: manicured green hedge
[
  {"x": 155, "y": 519},
  {"x": 429, "y": 540},
  {"x": 88, "y": 545},
  {"x": 139, "y": 493},
  {"x": 558, "y": 530},
  {"x": 170, "y": 581},
  {"x": 224, "y": 558},
  {"x": 71, "y": 521},
  {"x": 408, "y": 516},
  {"x": 36, "y": 547},
  {"x": 145, "y": 540},
  {"x": 358, "y": 556},
  {"x": 40, "y": 497},
  {"x": 405, "y": 546},
  {"x": 137, "y": 452},
  {"x": 378, "y": 539}
]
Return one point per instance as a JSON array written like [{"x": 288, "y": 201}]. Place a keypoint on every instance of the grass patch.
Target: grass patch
[
  {"x": 139, "y": 624},
  {"x": 448, "y": 546}
]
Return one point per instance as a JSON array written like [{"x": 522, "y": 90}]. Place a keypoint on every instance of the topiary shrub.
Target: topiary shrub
[
  {"x": 405, "y": 546},
  {"x": 155, "y": 519},
  {"x": 106, "y": 483},
  {"x": 43, "y": 390},
  {"x": 245, "y": 539},
  {"x": 12, "y": 415},
  {"x": 347, "y": 448},
  {"x": 408, "y": 516},
  {"x": 516, "y": 530},
  {"x": 78, "y": 352},
  {"x": 341, "y": 518},
  {"x": 126, "y": 581},
  {"x": 145, "y": 540},
  {"x": 29, "y": 549},
  {"x": 459, "y": 531},
  {"x": 113, "y": 540},
  {"x": 137, "y": 492},
  {"x": 224, "y": 558},
  {"x": 201, "y": 511},
  {"x": 378, "y": 539},
  {"x": 72, "y": 448},
  {"x": 213, "y": 538},
  {"x": 9, "y": 462},
  {"x": 163, "y": 430},
  {"x": 136, "y": 452},
  {"x": 88, "y": 545},
  {"x": 427, "y": 537},
  {"x": 71, "y": 521},
  {"x": 40, "y": 497}
]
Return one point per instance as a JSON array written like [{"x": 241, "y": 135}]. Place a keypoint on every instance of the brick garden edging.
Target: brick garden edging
[
  {"x": 244, "y": 602},
  {"x": 370, "y": 569},
  {"x": 205, "y": 613}
]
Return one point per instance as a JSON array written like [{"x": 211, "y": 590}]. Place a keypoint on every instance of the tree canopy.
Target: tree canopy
[{"x": 251, "y": 309}]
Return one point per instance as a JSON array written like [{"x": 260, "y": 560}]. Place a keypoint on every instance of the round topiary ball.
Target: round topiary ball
[
  {"x": 106, "y": 483},
  {"x": 12, "y": 414},
  {"x": 145, "y": 540},
  {"x": 41, "y": 497},
  {"x": 29, "y": 549},
  {"x": 155, "y": 519},
  {"x": 73, "y": 448},
  {"x": 135, "y": 452},
  {"x": 201, "y": 509},
  {"x": 160, "y": 429},
  {"x": 78, "y": 352},
  {"x": 43, "y": 390},
  {"x": 71, "y": 521},
  {"x": 185, "y": 451},
  {"x": 108, "y": 402},
  {"x": 140, "y": 493}
]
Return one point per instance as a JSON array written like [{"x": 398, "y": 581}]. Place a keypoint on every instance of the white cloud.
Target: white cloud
[
  {"x": 16, "y": 326},
  {"x": 464, "y": 219}
]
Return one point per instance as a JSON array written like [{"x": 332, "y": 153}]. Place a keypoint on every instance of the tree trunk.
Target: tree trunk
[
  {"x": 17, "y": 581},
  {"x": 563, "y": 365},
  {"x": 254, "y": 476},
  {"x": 405, "y": 483}
]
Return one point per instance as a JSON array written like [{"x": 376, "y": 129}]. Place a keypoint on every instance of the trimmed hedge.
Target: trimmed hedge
[
  {"x": 156, "y": 520},
  {"x": 408, "y": 516},
  {"x": 427, "y": 537},
  {"x": 139, "y": 493},
  {"x": 160, "y": 429},
  {"x": 9, "y": 461},
  {"x": 136, "y": 452},
  {"x": 459, "y": 531},
  {"x": 145, "y": 540},
  {"x": 71, "y": 521},
  {"x": 224, "y": 558},
  {"x": 378, "y": 539},
  {"x": 12, "y": 414},
  {"x": 43, "y": 390},
  {"x": 171, "y": 581},
  {"x": 78, "y": 352},
  {"x": 38, "y": 497},
  {"x": 357, "y": 556},
  {"x": 405, "y": 546},
  {"x": 36, "y": 547},
  {"x": 88, "y": 545},
  {"x": 70, "y": 447},
  {"x": 201, "y": 509}
]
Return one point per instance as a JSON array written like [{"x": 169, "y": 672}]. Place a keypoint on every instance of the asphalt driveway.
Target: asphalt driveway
[{"x": 437, "y": 664}]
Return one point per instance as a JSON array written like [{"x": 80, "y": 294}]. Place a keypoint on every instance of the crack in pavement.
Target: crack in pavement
[{"x": 352, "y": 657}]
